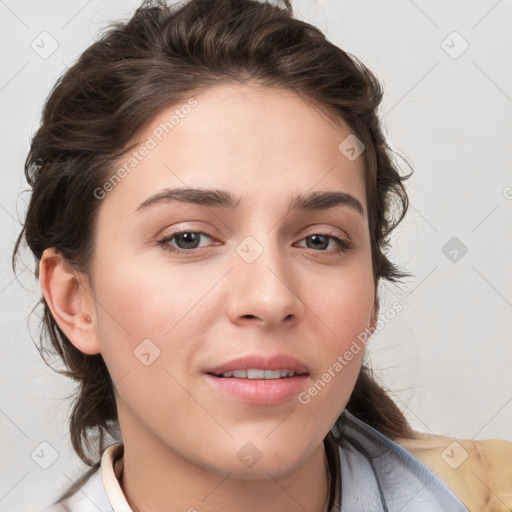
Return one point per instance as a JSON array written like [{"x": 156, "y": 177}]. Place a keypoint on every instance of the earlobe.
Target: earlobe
[{"x": 69, "y": 302}]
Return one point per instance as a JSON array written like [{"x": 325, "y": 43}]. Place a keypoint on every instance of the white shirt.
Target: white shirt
[{"x": 372, "y": 474}]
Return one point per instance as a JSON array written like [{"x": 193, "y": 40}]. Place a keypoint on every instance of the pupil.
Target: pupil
[
  {"x": 323, "y": 244},
  {"x": 188, "y": 238}
]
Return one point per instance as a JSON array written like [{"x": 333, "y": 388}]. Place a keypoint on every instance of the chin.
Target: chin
[
  {"x": 263, "y": 459},
  {"x": 264, "y": 469}
]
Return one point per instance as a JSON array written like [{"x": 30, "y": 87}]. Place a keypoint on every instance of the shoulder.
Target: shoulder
[{"x": 478, "y": 472}]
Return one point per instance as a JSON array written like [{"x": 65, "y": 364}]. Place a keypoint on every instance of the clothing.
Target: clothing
[
  {"x": 479, "y": 472},
  {"x": 371, "y": 474}
]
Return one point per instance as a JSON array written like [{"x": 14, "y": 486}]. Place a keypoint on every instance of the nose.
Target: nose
[{"x": 263, "y": 291}]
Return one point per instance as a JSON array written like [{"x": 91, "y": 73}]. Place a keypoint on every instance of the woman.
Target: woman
[{"x": 212, "y": 198}]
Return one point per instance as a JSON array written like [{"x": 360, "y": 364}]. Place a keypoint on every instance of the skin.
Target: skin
[{"x": 181, "y": 435}]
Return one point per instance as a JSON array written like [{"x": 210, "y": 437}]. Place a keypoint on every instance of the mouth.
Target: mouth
[
  {"x": 258, "y": 374},
  {"x": 259, "y": 380}
]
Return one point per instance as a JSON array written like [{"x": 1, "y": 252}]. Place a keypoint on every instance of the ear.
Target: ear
[{"x": 70, "y": 301}]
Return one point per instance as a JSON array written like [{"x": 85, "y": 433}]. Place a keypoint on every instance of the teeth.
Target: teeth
[
  {"x": 255, "y": 374},
  {"x": 258, "y": 374}
]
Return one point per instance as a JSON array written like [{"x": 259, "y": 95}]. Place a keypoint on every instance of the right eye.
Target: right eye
[{"x": 187, "y": 242}]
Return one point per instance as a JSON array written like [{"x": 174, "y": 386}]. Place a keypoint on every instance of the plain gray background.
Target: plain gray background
[{"x": 446, "y": 70}]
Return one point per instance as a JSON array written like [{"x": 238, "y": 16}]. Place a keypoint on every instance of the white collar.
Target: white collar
[{"x": 111, "y": 469}]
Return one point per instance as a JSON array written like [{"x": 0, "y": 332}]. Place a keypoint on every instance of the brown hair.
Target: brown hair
[{"x": 157, "y": 59}]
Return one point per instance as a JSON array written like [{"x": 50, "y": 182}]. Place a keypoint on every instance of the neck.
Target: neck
[{"x": 154, "y": 477}]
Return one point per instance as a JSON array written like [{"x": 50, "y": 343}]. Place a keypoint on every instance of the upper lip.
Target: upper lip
[{"x": 261, "y": 362}]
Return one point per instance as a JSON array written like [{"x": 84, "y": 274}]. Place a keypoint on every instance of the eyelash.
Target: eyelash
[{"x": 344, "y": 246}]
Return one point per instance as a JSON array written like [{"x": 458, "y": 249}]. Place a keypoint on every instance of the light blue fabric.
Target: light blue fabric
[
  {"x": 378, "y": 475},
  {"x": 375, "y": 474}
]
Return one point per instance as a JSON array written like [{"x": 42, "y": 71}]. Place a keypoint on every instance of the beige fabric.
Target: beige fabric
[{"x": 478, "y": 472}]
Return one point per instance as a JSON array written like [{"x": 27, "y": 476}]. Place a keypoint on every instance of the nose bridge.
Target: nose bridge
[{"x": 264, "y": 285}]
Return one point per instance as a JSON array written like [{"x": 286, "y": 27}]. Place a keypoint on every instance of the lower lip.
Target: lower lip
[{"x": 259, "y": 391}]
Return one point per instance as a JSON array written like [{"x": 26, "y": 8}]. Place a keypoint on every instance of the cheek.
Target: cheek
[
  {"x": 344, "y": 314},
  {"x": 154, "y": 323},
  {"x": 149, "y": 332},
  {"x": 139, "y": 311},
  {"x": 144, "y": 301},
  {"x": 344, "y": 305}
]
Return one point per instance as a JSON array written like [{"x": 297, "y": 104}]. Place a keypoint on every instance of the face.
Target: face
[{"x": 188, "y": 287}]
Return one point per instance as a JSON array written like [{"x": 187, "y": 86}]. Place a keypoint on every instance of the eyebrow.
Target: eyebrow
[{"x": 313, "y": 201}]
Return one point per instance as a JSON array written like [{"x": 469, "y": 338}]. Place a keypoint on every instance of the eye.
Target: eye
[
  {"x": 187, "y": 241},
  {"x": 321, "y": 241}
]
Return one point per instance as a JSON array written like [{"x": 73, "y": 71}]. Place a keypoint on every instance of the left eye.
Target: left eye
[{"x": 321, "y": 241}]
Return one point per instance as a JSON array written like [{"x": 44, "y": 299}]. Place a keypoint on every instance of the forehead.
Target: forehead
[{"x": 243, "y": 137}]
